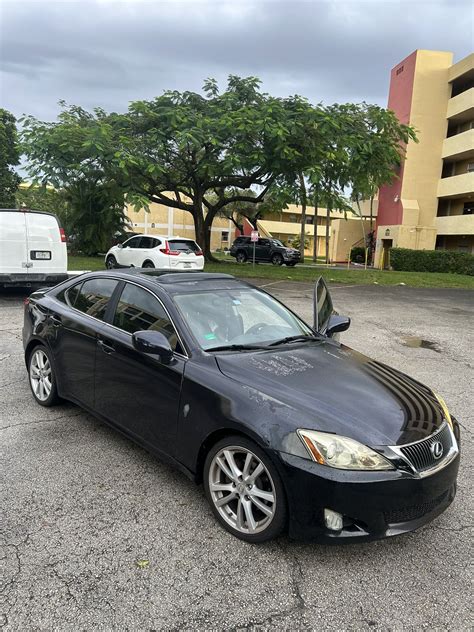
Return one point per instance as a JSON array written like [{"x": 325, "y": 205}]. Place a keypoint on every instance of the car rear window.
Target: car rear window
[
  {"x": 94, "y": 296},
  {"x": 183, "y": 245}
]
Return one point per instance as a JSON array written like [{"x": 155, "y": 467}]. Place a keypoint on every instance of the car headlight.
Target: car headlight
[
  {"x": 341, "y": 452},
  {"x": 444, "y": 408}
]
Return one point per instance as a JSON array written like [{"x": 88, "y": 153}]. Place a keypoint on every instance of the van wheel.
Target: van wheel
[
  {"x": 42, "y": 377},
  {"x": 111, "y": 262},
  {"x": 148, "y": 264},
  {"x": 241, "y": 257}
]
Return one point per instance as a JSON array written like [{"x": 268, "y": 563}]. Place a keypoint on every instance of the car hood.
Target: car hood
[{"x": 326, "y": 386}]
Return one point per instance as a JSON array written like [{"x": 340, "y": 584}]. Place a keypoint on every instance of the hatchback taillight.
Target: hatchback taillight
[
  {"x": 198, "y": 253},
  {"x": 63, "y": 235}
]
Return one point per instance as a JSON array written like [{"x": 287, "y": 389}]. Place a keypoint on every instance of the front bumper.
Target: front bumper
[
  {"x": 375, "y": 505},
  {"x": 31, "y": 279}
]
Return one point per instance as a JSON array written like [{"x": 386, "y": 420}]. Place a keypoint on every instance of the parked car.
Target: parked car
[
  {"x": 156, "y": 251},
  {"x": 284, "y": 426},
  {"x": 32, "y": 248},
  {"x": 268, "y": 250}
]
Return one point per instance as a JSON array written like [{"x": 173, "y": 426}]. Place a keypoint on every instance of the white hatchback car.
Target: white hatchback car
[{"x": 155, "y": 251}]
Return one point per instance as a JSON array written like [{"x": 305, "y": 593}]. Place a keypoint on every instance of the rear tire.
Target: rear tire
[
  {"x": 42, "y": 377},
  {"x": 148, "y": 264},
  {"x": 277, "y": 260},
  {"x": 244, "y": 490},
  {"x": 241, "y": 257},
  {"x": 111, "y": 262}
]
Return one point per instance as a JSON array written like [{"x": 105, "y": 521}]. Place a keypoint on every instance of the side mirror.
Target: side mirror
[
  {"x": 119, "y": 245},
  {"x": 153, "y": 342},
  {"x": 336, "y": 324}
]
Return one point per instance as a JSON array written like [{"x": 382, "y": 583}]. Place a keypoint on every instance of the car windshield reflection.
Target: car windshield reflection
[{"x": 238, "y": 317}]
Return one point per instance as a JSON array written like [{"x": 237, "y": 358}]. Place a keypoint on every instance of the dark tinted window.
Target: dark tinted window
[
  {"x": 263, "y": 242},
  {"x": 94, "y": 297},
  {"x": 69, "y": 295},
  {"x": 183, "y": 245},
  {"x": 138, "y": 310},
  {"x": 149, "y": 242},
  {"x": 134, "y": 242}
]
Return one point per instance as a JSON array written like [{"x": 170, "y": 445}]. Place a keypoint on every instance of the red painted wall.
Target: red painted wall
[
  {"x": 248, "y": 228},
  {"x": 399, "y": 100}
]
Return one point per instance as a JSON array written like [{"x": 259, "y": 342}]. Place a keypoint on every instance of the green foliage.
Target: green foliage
[
  {"x": 42, "y": 198},
  {"x": 71, "y": 155},
  {"x": 432, "y": 261},
  {"x": 9, "y": 157},
  {"x": 358, "y": 254},
  {"x": 296, "y": 242}
]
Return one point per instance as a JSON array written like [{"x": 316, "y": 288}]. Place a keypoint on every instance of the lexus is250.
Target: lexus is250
[{"x": 287, "y": 428}]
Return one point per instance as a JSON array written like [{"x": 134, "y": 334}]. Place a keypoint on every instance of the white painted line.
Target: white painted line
[{"x": 273, "y": 283}]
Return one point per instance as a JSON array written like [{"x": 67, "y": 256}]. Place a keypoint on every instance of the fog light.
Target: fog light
[{"x": 333, "y": 520}]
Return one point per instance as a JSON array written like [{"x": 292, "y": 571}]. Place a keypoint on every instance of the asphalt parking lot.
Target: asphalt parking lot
[{"x": 97, "y": 534}]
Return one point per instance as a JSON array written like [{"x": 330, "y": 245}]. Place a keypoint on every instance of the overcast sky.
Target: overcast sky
[{"x": 108, "y": 53}]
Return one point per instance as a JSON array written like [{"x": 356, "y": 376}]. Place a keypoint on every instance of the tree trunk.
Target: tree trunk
[
  {"x": 207, "y": 238},
  {"x": 303, "y": 215},
  {"x": 315, "y": 227},
  {"x": 328, "y": 221}
]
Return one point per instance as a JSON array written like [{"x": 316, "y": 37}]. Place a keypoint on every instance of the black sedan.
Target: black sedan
[{"x": 285, "y": 427}]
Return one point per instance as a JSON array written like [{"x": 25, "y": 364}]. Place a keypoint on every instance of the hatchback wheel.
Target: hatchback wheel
[
  {"x": 277, "y": 260},
  {"x": 244, "y": 490},
  {"x": 241, "y": 257},
  {"x": 42, "y": 378},
  {"x": 148, "y": 264},
  {"x": 111, "y": 262}
]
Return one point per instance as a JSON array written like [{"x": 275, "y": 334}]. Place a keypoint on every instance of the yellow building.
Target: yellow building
[
  {"x": 431, "y": 204},
  {"x": 345, "y": 231},
  {"x": 165, "y": 220}
]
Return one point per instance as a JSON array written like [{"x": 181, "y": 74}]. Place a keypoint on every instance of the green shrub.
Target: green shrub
[
  {"x": 431, "y": 261},
  {"x": 358, "y": 254}
]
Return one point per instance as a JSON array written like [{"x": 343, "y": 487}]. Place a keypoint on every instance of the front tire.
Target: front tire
[
  {"x": 241, "y": 257},
  {"x": 42, "y": 377},
  {"x": 111, "y": 262},
  {"x": 277, "y": 260},
  {"x": 244, "y": 490}
]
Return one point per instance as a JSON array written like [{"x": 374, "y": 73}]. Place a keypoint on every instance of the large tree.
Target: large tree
[
  {"x": 9, "y": 157},
  {"x": 196, "y": 152}
]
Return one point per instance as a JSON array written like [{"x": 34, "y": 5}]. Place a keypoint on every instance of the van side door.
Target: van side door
[{"x": 13, "y": 250}]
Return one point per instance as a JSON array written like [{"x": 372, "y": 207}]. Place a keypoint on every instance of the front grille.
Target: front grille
[
  {"x": 413, "y": 512},
  {"x": 420, "y": 455}
]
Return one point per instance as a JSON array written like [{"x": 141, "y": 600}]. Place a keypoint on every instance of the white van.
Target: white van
[{"x": 32, "y": 248}]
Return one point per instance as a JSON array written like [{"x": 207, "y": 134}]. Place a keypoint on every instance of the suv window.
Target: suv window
[
  {"x": 263, "y": 242},
  {"x": 148, "y": 242},
  {"x": 138, "y": 310},
  {"x": 94, "y": 296},
  {"x": 134, "y": 242},
  {"x": 183, "y": 245}
]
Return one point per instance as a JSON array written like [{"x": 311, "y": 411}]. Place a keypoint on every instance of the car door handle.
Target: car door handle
[
  {"x": 106, "y": 348},
  {"x": 56, "y": 320}
]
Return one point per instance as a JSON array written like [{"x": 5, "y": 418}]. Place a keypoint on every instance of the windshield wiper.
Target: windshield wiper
[
  {"x": 237, "y": 347},
  {"x": 298, "y": 338}
]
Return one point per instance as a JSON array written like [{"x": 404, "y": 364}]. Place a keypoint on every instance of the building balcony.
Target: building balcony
[
  {"x": 455, "y": 225},
  {"x": 461, "y": 107},
  {"x": 456, "y": 186},
  {"x": 460, "y": 146},
  {"x": 270, "y": 228}
]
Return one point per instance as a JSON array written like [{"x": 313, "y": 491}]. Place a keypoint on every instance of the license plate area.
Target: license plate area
[{"x": 40, "y": 255}]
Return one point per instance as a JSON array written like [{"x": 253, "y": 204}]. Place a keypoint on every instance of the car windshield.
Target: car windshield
[
  {"x": 244, "y": 316},
  {"x": 277, "y": 242}
]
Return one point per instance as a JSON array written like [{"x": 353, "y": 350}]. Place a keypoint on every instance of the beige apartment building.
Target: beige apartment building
[{"x": 431, "y": 204}]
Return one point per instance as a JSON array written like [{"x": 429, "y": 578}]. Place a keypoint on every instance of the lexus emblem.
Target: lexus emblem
[{"x": 437, "y": 449}]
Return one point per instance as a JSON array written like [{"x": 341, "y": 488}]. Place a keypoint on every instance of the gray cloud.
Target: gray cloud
[{"x": 107, "y": 53}]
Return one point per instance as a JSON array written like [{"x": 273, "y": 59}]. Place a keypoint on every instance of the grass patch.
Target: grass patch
[{"x": 283, "y": 273}]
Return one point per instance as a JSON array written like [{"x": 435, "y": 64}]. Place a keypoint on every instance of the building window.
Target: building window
[
  {"x": 310, "y": 219},
  {"x": 470, "y": 167},
  {"x": 399, "y": 70},
  {"x": 468, "y": 208},
  {"x": 225, "y": 235}
]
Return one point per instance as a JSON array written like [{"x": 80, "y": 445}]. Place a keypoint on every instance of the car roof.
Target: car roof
[{"x": 173, "y": 282}]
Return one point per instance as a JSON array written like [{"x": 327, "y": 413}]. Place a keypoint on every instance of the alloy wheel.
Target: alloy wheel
[
  {"x": 41, "y": 375},
  {"x": 242, "y": 490}
]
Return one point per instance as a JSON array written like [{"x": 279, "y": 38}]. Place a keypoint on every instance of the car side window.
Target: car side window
[
  {"x": 69, "y": 295},
  {"x": 138, "y": 310},
  {"x": 147, "y": 242},
  {"x": 94, "y": 297},
  {"x": 134, "y": 242}
]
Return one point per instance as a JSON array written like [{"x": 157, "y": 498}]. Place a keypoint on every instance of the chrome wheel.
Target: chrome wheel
[
  {"x": 242, "y": 490},
  {"x": 40, "y": 375}
]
